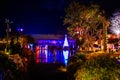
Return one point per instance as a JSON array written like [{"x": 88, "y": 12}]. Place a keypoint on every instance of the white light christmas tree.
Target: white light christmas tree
[{"x": 65, "y": 44}]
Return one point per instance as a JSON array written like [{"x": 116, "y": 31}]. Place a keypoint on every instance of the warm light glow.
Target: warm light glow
[{"x": 7, "y": 53}]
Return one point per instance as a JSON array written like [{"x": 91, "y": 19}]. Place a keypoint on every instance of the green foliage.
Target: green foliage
[
  {"x": 77, "y": 57},
  {"x": 79, "y": 42},
  {"x": 83, "y": 16},
  {"x": 84, "y": 22},
  {"x": 102, "y": 67},
  {"x": 8, "y": 66},
  {"x": 6, "y": 63},
  {"x": 74, "y": 64},
  {"x": 29, "y": 39},
  {"x": 2, "y": 46}
]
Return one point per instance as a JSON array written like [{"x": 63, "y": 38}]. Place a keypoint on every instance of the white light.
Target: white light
[
  {"x": 65, "y": 42},
  {"x": 115, "y": 30},
  {"x": 115, "y": 23},
  {"x": 21, "y": 29},
  {"x": 65, "y": 54}
]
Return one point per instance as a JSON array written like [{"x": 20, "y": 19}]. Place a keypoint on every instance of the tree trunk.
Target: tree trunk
[{"x": 105, "y": 40}]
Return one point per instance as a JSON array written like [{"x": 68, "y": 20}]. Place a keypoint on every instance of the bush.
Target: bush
[
  {"x": 74, "y": 64},
  {"x": 7, "y": 67},
  {"x": 101, "y": 67}
]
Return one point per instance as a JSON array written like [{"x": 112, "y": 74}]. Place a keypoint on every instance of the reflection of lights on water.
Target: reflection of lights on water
[
  {"x": 65, "y": 61},
  {"x": 37, "y": 53},
  {"x": 73, "y": 46},
  {"x": 65, "y": 54},
  {"x": 46, "y": 53},
  {"x": 46, "y": 46},
  {"x": 47, "y": 56},
  {"x": 37, "y": 60}
]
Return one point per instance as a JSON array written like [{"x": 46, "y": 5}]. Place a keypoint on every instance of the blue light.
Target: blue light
[{"x": 65, "y": 54}]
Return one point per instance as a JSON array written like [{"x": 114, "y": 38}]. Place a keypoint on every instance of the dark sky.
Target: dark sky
[
  {"x": 42, "y": 16},
  {"x": 37, "y": 16}
]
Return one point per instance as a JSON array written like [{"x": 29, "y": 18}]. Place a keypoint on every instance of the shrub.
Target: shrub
[
  {"x": 74, "y": 64},
  {"x": 8, "y": 68},
  {"x": 101, "y": 67}
]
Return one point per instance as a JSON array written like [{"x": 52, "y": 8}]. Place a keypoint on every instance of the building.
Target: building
[{"x": 48, "y": 40}]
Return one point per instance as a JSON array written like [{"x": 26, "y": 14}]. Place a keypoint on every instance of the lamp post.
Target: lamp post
[{"x": 8, "y": 22}]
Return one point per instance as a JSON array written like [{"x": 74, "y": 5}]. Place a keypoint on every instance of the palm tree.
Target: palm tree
[
  {"x": 106, "y": 24},
  {"x": 87, "y": 19}
]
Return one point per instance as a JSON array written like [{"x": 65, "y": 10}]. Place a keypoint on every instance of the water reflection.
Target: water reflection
[
  {"x": 65, "y": 54},
  {"x": 55, "y": 56}
]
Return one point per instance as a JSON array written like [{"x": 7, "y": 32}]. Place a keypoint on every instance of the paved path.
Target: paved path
[{"x": 44, "y": 71}]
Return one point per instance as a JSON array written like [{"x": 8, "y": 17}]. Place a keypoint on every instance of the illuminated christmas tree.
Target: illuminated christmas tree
[{"x": 65, "y": 44}]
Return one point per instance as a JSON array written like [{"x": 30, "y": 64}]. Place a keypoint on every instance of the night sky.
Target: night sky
[
  {"x": 42, "y": 16},
  {"x": 37, "y": 16}
]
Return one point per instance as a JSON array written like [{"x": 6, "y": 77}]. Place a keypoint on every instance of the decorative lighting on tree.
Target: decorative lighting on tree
[{"x": 115, "y": 23}]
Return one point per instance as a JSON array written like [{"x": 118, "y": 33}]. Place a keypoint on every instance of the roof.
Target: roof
[{"x": 49, "y": 37}]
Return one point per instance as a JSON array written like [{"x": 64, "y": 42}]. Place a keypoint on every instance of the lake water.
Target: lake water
[{"x": 56, "y": 56}]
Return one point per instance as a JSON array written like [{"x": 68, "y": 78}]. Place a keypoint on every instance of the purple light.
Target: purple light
[{"x": 20, "y": 29}]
